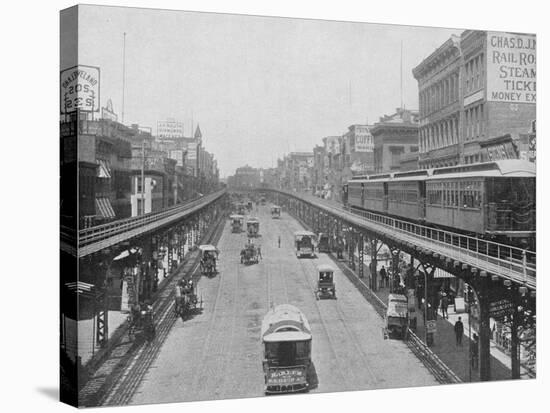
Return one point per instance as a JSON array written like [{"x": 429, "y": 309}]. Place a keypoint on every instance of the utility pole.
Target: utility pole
[
  {"x": 401, "y": 75},
  {"x": 142, "y": 177},
  {"x": 123, "y": 73}
]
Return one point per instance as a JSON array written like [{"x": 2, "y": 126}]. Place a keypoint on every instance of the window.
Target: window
[{"x": 470, "y": 192}]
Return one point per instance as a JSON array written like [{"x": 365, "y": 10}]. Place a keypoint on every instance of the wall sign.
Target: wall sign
[{"x": 80, "y": 89}]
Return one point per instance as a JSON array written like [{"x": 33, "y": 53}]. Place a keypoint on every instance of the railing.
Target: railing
[
  {"x": 510, "y": 262},
  {"x": 100, "y": 232}
]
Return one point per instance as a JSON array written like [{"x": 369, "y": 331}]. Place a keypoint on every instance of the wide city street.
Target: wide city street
[{"x": 218, "y": 354}]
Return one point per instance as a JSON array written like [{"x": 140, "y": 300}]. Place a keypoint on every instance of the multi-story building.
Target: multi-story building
[
  {"x": 318, "y": 176},
  {"x": 104, "y": 155},
  {"x": 245, "y": 178},
  {"x": 300, "y": 167},
  {"x": 394, "y": 136},
  {"x": 472, "y": 89}
]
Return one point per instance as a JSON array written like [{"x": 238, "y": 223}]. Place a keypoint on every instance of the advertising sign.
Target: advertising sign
[
  {"x": 511, "y": 67},
  {"x": 285, "y": 376},
  {"x": 169, "y": 129},
  {"x": 500, "y": 308},
  {"x": 363, "y": 140},
  {"x": 80, "y": 89}
]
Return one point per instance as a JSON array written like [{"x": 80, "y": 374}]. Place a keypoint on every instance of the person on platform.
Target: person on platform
[
  {"x": 444, "y": 305},
  {"x": 459, "y": 331},
  {"x": 383, "y": 277}
]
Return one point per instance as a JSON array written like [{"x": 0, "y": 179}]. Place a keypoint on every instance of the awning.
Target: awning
[
  {"x": 80, "y": 287},
  {"x": 103, "y": 170},
  {"x": 103, "y": 205}
]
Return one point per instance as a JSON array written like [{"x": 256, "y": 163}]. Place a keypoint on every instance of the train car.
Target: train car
[
  {"x": 492, "y": 198},
  {"x": 406, "y": 194},
  {"x": 369, "y": 193},
  {"x": 286, "y": 341}
]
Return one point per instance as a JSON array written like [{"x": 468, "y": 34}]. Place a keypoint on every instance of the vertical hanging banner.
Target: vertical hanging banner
[
  {"x": 511, "y": 67},
  {"x": 79, "y": 87}
]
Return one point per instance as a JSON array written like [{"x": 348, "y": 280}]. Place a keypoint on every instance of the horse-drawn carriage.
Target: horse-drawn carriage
[
  {"x": 141, "y": 320},
  {"x": 325, "y": 284},
  {"x": 209, "y": 258},
  {"x": 186, "y": 298},
  {"x": 275, "y": 211},
  {"x": 252, "y": 227},
  {"x": 241, "y": 208},
  {"x": 250, "y": 254},
  {"x": 236, "y": 223}
]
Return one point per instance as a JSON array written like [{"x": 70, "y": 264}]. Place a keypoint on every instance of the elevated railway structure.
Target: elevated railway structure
[
  {"x": 502, "y": 276},
  {"x": 138, "y": 251}
]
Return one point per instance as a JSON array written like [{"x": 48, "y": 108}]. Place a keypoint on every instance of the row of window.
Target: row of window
[
  {"x": 439, "y": 134},
  {"x": 466, "y": 194},
  {"x": 403, "y": 195},
  {"x": 474, "y": 73},
  {"x": 439, "y": 95},
  {"x": 474, "y": 122}
]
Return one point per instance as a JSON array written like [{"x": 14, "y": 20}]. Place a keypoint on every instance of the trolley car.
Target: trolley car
[
  {"x": 253, "y": 227},
  {"x": 304, "y": 244},
  {"x": 286, "y": 341}
]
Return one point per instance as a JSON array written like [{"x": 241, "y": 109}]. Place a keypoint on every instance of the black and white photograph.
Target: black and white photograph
[{"x": 253, "y": 206}]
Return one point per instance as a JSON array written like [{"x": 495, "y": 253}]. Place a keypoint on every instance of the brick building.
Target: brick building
[{"x": 474, "y": 88}]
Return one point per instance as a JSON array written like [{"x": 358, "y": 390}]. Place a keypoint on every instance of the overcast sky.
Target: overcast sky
[{"x": 259, "y": 87}]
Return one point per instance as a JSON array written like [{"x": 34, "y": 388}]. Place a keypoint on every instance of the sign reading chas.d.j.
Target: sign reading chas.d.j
[
  {"x": 80, "y": 89},
  {"x": 511, "y": 67}
]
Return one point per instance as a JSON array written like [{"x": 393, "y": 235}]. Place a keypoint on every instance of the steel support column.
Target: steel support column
[{"x": 484, "y": 330}]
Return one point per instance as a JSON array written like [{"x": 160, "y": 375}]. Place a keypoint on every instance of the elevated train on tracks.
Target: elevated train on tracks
[{"x": 495, "y": 200}]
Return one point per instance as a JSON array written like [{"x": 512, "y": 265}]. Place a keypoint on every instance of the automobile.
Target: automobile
[
  {"x": 275, "y": 211},
  {"x": 325, "y": 284}
]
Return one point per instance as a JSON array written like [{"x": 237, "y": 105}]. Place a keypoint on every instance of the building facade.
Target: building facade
[
  {"x": 358, "y": 150},
  {"x": 472, "y": 89},
  {"x": 394, "y": 136}
]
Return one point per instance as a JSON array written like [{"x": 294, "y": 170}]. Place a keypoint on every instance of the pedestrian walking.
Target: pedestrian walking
[
  {"x": 260, "y": 252},
  {"x": 444, "y": 305},
  {"x": 279, "y": 241},
  {"x": 384, "y": 276},
  {"x": 459, "y": 331}
]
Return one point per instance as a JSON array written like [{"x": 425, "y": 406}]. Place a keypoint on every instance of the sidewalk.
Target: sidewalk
[{"x": 454, "y": 356}]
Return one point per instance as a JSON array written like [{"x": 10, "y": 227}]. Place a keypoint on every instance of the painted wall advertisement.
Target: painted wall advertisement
[
  {"x": 80, "y": 89},
  {"x": 511, "y": 67},
  {"x": 363, "y": 140}
]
